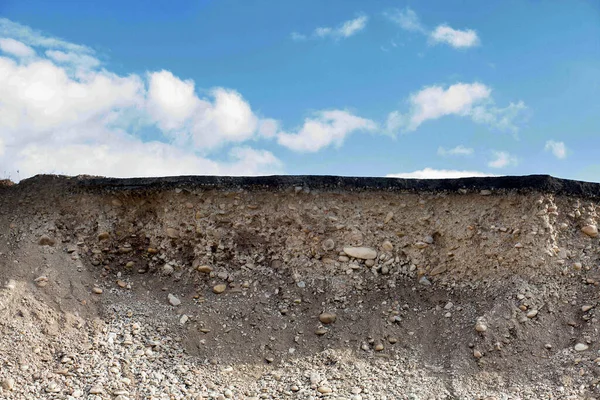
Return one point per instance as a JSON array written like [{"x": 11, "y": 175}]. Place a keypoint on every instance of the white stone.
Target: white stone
[
  {"x": 174, "y": 301},
  {"x": 364, "y": 253}
]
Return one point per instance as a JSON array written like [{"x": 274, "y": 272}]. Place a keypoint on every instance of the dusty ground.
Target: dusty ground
[{"x": 471, "y": 295}]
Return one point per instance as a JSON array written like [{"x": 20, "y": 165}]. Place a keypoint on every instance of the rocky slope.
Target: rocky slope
[{"x": 299, "y": 287}]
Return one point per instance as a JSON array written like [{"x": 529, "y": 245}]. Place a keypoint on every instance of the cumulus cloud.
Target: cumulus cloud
[
  {"x": 557, "y": 148},
  {"x": 502, "y": 159},
  {"x": 61, "y": 113},
  {"x": 454, "y": 37},
  {"x": 408, "y": 20},
  {"x": 459, "y": 150},
  {"x": 16, "y": 48},
  {"x": 324, "y": 129},
  {"x": 343, "y": 31},
  {"x": 430, "y": 173},
  {"x": 471, "y": 100}
]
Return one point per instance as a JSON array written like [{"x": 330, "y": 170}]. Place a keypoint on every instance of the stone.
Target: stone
[
  {"x": 324, "y": 389},
  {"x": 363, "y": 253},
  {"x": 387, "y": 246},
  {"x": 152, "y": 250},
  {"x": 206, "y": 269},
  {"x": 392, "y": 339},
  {"x": 46, "y": 241},
  {"x": 477, "y": 354},
  {"x": 168, "y": 269},
  {"x": 379, "y": 347},
  {"x": 532, "y": 313},
  {"x": 96, "y": 290},
  {"x": 328, "y": 244},
  {"x": 96, "y": 389},
  {"x": 173, "y": 300},
  {"x": 172, "y": 233},
  {"x": 485, "y": 192},
  {"x": 103, "y": 236},
  {"x": 321, "y": 331},
  {"x": 581, "y": 347},
  {"x": 480, "y": 327},
  {"x": 8, "y": 384},
  {"x": 327, "y": 318},
  {"x": 590, "y": 230},
  {"x": 122, "y": 284},
  {"x": 421, "y": 245},
  {"x": 184, "y": 318},
  {"x": 586, "y": 308},
  {"x": 424, "y": 281},
  {"x": 41, "y": 281},
  {"x": 220, "y": 288},
  {"x": 388, "y": 217}
]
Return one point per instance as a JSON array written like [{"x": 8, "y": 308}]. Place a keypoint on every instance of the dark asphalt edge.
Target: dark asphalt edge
[{"x": 539, "y": 183}]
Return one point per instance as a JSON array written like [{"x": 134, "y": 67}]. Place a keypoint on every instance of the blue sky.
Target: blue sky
[{"x": 344, "y": 87}]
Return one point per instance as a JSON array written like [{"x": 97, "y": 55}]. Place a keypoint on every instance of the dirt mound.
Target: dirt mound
[{"x": 299, "y": 287}]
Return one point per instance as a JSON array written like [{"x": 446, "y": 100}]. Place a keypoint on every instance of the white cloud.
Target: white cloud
[
  {"x": 324, "y": 129},
  {"x": 345, "y": 30},
  {"x": 407, "y": 19},
  {"x": 453, "y": 37},
  {"x": 268, "y": 127},
  {"x": 430, "y": 173},
  {"x": 54, "y": 120},
  {"x": 502, "y": 159},
  {"x": 78, "y": 60},
  {"x": 459, "y": 150},
  {"x": 171, "y": 101},
  {"x": 16, "y": 48},
  {"x": 353, "y": 26},
  {"x": 34, "y": 38},
  {"x": 557, "y": 148},
  {"x": 298, "y": 37},
  {"x": 462, "y": 99}
]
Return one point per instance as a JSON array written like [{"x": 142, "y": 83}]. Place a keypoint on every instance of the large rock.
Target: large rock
[{"x": 364, "y": 253}]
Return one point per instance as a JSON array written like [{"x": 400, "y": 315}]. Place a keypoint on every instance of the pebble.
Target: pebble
[
  {"x": 581, "y": 347},
  {"x": 220, "y": 288},
  {"x": 11, "y": 284},
  {"x": 421, "y": 245},
  {"x": 96, "y": 389},
  {"x": 590, "y": 230},
  {"x": 206, "y": 269},
  {"x": 103, "y": 236},
  {"x": 327, "y": 318},
  {"x": 8, "y": 384},
  {"x": 387, "y": 246},
  {"x": 41, "y": 281},
  {"x": 532, "y": 313},
  {"x": 46, "y": 241},
  {"x": 477, "y": 354},
  {"x": 184, "y": 318},
  {"x": 480, "y": 327},
  {"x": 321, "y": 331},
  {"x": 324, "y": 389},
  {"x": 379, "y": 347},
  {"x": 363, "y": 253},
  {"x": 174, "y": 301},
  {"x": 388, "y": 217},
  {"x": 328, "y": 244},
  {"x": 122, "y": 284},
  {"x": 586, "y": 308},
  {"x": 96, "y": 290},
  {"x": 168, "y": 269},
  {"x": 172, "y": 233},
  {"x": 424, "y": 281}
]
